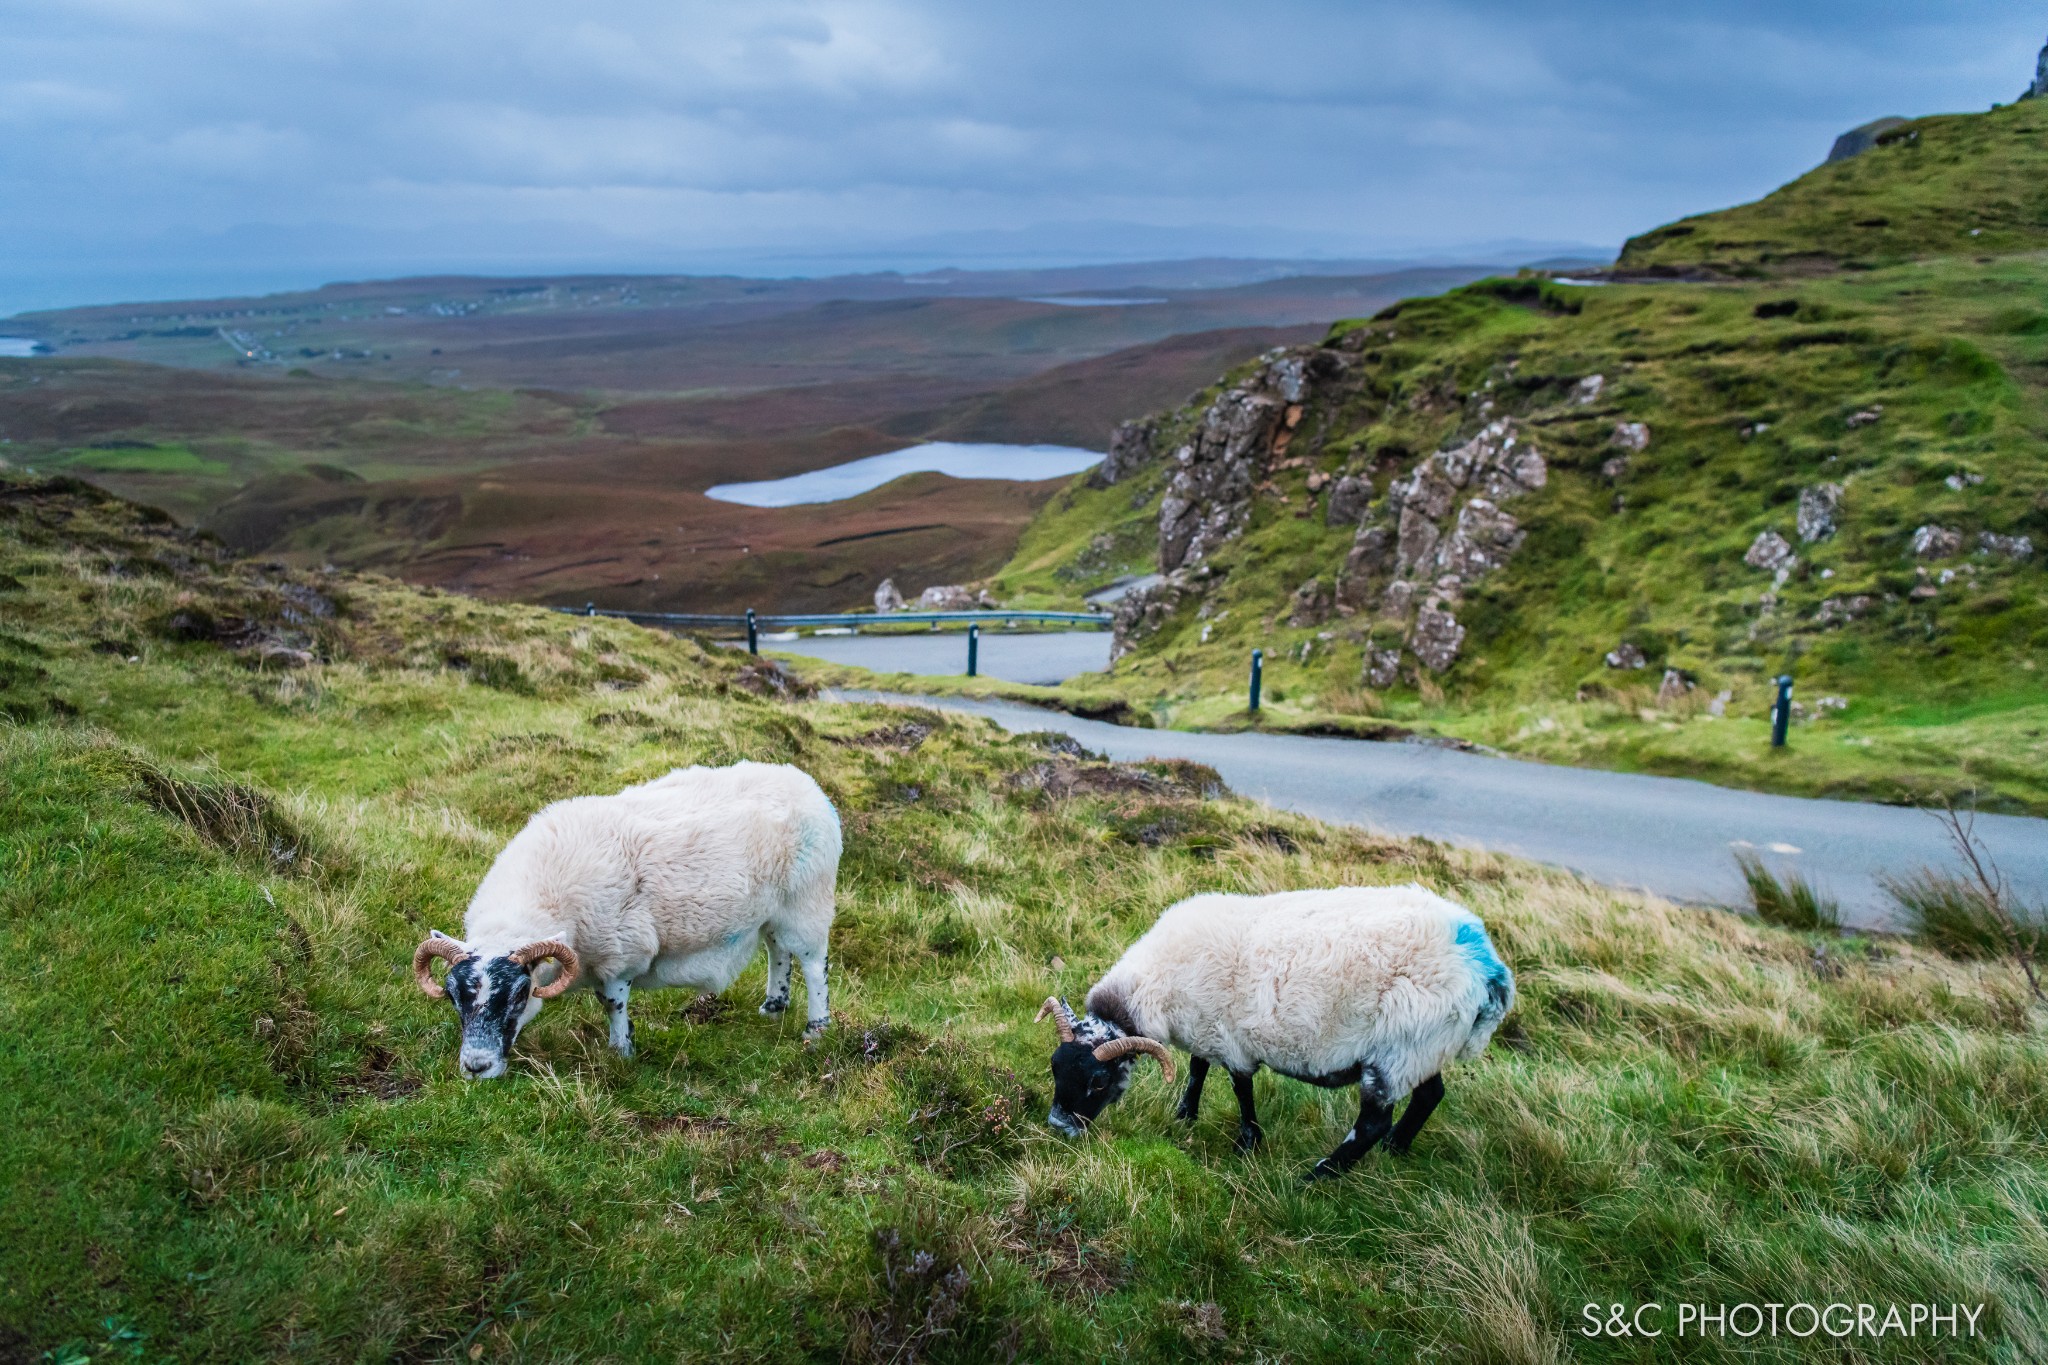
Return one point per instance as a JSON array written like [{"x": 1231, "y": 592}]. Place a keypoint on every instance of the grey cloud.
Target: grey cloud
[{"x": 658, "y": 132}]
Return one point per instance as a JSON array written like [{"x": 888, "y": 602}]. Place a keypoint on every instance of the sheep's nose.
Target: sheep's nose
[{"x": 476, "y": 1068}]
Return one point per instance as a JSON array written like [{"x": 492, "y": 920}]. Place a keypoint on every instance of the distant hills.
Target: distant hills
[{"x": 549, "y": 439}]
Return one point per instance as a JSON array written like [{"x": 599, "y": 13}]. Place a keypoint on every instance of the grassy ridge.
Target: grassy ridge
[
  {"x": 1951, "y": 185},
  {"x": 236, "y": 1132}
]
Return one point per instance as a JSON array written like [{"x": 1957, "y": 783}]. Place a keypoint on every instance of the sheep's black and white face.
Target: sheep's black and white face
[
  {"x": 1083, "y": 1087},
  {"x": 494, "y": 997}
]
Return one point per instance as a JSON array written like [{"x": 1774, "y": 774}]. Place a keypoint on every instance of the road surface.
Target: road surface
[
  {"x": 1674, "y": 837},
  {"x": 1040, "y": 657}
]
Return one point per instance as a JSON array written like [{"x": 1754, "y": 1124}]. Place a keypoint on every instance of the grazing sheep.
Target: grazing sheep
[
  {"x": 670, "y": 883},
  {"x": 1379, "y": 987}
]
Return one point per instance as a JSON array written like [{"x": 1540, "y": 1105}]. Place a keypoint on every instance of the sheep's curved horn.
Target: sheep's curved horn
[
  {"x": 448, "y": 950},
  {"x": 565, "y": 958},
  {"x": 1124, "y": 1047},
  {"x": 1062, "y": 1017}
]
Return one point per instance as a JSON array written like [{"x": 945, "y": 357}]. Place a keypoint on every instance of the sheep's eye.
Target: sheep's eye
[{"x": 1098, "y": 1084}]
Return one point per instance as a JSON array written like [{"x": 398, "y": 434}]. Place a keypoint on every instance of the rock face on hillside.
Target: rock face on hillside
[
  {"x": 1130, "y": 449},
  {"x": 1216, "y": 471},
  {"x": 1440, "y": 527},
  {"x": 1859, "y": 140},
  {"x": 2039, "y": 89}
]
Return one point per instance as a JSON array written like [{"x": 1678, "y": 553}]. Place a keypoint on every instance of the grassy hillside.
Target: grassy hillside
[
  {"x": 1916, "y": 395},
  {"x": 1951, "y": 185},
  {"x": 233, "y": 797}
]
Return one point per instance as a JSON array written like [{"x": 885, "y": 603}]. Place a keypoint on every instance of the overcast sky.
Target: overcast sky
[{"x": 159, "y": 147}]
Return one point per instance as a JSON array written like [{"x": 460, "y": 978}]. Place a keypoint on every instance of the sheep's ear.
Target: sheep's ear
[{"x": 436, "y": 933}]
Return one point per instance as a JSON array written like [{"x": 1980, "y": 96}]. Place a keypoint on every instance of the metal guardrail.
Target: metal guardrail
[{"x": 767, "y": 621}]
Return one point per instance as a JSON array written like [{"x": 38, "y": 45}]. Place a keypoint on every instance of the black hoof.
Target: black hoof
[
  {"x": 1249, "y": 1138},
  {"x": 1398, "y": 1148},
  {"x": 1323, "y": 1170},
  {"x": 773, "y": 1007}
]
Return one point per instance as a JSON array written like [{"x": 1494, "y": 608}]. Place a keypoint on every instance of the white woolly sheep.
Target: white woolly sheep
[
  {"x": 1375, "y": 986},
  {"x": 670, "y": 883}
]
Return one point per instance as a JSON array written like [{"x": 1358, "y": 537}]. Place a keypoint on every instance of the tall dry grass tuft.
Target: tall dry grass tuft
[{"x": 1787, "y": 899}]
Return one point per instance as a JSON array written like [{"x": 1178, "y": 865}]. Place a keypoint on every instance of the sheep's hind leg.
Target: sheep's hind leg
[
  {"x": 1191, "y": 1102},
  {"x": 818, "y": 1010},
  {"x": 1375, "y": 1116},
  {"x": 778, "y": 977},
  {"x": 1422, "y": 1102},
  {"x": 1249, "y": 1134},
  {"x": 614, "y": 994}
]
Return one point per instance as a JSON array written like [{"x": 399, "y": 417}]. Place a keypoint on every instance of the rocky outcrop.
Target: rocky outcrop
[
  {"x": 1626, "y": 655},
  {"x": 2039, "y": 89},
  {"x": 1349, "y": 497},
  {"x": 1861, "y": 139},
  {"x": 887, "y": 598},
  {"x": 1587, "y": 390},
  {"x": 1835, "y": 610},
  {"x": 1770, "y": 552},
  {"x": 1437, "y": 636},
  {"x": 1481, "y": 541},
  {"x": 952, "y": 597},
  {"x": 1143, "y": 610},
  {"x": 1819, "y": 511},
  {"x": 2005, "y": 547},
  {"x": 1131, "y": 447},
  {"x": 1441, "y": 526},
  {"x": 1633, "y": 436},
  {"x": 1936, "y": 542},
  {"x": 1312, "y": 604},
  {"x": 1209, "y": 499}
]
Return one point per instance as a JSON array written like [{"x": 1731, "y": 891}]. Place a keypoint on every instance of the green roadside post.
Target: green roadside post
[
  {"x": 753, "y": 633},
  {"x": 973, "y": 648},
  {"x": 1781, "y": 712},
  {"x": 1258, "y": 667}
]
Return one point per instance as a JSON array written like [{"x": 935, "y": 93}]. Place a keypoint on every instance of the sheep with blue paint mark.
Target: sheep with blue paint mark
[
  {"x": 674, "y": 882},
  {"x": 1378, "y": 987}
]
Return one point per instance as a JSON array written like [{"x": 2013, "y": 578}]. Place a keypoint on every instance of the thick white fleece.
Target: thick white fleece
[
  {"x": 669, "y": 883},
  {"x": 1313, "y": 982}
]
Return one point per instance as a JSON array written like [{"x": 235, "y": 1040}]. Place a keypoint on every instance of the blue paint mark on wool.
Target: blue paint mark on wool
[{"x": 1471, "y": 936}]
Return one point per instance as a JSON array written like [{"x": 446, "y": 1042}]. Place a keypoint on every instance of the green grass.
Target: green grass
[
  {"x": 1786, "y": 899},
  {"x": 139, "y": 459},
  {"x": 236, "y": 1132},
  {"x": 1951, "y": 185},
  {"x": 1959, "y": 919}
]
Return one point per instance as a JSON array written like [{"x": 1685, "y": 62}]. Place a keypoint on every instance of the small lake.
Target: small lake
[
  {"x": 962, "y": 460},
  {"x": 13, "y": 348}
]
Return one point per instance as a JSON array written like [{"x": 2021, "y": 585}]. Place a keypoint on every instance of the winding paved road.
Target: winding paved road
[
  {"x": 1666, "y": 835},
  {"x": 1040, "y": 657}
]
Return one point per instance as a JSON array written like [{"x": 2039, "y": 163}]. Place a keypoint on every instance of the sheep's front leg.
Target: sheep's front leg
[
  {"x": 1375, "y": 1116},
  {"x": 1191, "y": 1102},
  {"x": 1422, "y": 1102},
  {"x": 778, "y": 977},
  {"x": 819, "y": 1009},
  {"x": 614, "y": 994}
]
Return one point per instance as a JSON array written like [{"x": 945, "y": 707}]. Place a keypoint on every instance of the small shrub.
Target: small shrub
[
  {"x": 922, "y": 1294},
  {"x": 1789, "y": 901},
  {"x": 1954, "y": 917}
]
